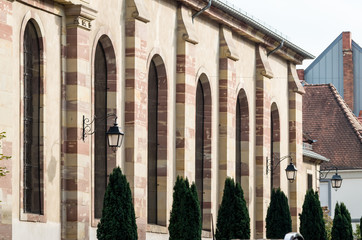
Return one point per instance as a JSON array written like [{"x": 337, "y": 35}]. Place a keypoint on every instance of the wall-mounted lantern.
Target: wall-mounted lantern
[
  {"x": 336, "y": 179},
  {"x": 291, "y": 170},
  {"x": 114, "y": 133}
]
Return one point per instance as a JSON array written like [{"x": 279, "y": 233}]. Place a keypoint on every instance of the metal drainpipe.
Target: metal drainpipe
[
  {"x": 202, "y": 10},
  {"x": 276, "y": 49}
]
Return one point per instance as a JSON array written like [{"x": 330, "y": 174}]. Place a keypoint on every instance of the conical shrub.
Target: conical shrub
[
  {"x": 312, "y": 225},
  {"x": 233, "y": 221},
  {"x": 185, "y": 219},
  {"x": 342, "y": 226},
  {"x": 118, "y": 220},
  {"x": 278, "y": 219}
]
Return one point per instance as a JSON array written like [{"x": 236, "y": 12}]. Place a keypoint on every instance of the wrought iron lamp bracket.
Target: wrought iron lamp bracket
[
  {"x": 87, "y": 128},
  {"x": 323, "y": 175},
  {"x": 270, "y": 162}
]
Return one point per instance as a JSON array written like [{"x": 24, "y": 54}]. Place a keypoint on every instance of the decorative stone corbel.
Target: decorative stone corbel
[
  {"x": 140, "y": 10},
  {"x": 227, "y": 42},
  {"x": 293, "y": 80},
  {"x": 185, "y": 25},
  {"x": 80, "y": 16},
  {"x": 262, "y": 62}
]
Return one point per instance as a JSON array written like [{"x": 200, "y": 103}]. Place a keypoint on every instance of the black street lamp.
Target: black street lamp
[
  {"x": 290, "y": 171},
  {"x": 115, "y": 136},
  {"x": 336, "y": 179},
  {"x": 114, "y": 133}
]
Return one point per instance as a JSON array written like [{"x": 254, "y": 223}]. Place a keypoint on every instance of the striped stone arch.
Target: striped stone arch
[
  {"x": 275, "y": 144},
  {"x": 104, "y": 102},
  {"x": 29, "y": 180},
  {"x": 242, "y": 142},
  {"x": 157, "y": 142},
  {"x": 203, "y": 148}
]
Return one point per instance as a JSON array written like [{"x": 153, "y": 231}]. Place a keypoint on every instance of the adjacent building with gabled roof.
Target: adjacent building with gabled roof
[
  {"x": 337, "y": 135},
  {"x": 340, "y": 64}
]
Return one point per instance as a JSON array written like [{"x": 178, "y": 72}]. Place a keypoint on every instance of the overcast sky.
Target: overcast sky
[{"x": 310, "y": 24}]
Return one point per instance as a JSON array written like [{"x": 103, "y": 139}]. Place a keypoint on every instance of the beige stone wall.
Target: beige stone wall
[
  {"x": 137, "y": 31},
  {"x": 49, "y": 29}
]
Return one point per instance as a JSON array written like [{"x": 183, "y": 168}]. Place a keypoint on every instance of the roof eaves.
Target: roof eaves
[
  {"x": 314, "y": 155},
  {"x": 243, "y": 17},
  {"x": 352, "y": 119}
]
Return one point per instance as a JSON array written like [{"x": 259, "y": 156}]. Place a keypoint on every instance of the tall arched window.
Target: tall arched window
[
  {"x": 152, "y": 143},
  {"x": 100, "y": 141},
  {"x": 275, "y": 146},
  {"x": 33, "y": 123},
  {"x": 200, "y": 126},
  {"x": 104, "y": 104},
  {"x": 203, "y": 159},
  {"x": 157, "y": 143},
  {"x": 242, "y": 142}
]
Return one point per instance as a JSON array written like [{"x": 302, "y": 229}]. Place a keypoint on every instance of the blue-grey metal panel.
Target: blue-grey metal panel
[
  {"x": 328, "y": 67},
  {"x": 357, "y": 75}
]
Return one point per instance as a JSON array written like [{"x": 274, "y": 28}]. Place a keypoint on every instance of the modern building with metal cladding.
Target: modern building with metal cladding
[
  {"x": 204, "y": 93},
  {"x": 340, "y": 64}
]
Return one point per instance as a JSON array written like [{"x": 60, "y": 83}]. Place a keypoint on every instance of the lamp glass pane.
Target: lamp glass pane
[
  {"x": 113, "y": 140},
  {"x": 336, "y": 183},
  {"x": 290, "y": 175}
]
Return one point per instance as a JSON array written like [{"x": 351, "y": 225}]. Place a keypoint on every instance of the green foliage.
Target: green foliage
[
  {"x": 357, "y": 233},
  {"x": 342, "y": 226},
  {"x": 347, "y": 215},
  {"x": 312, "y": 225},
  {"x": 118, "y": 217},
  {"x": 328, "y": 222},
  {"x": 360, "y": 228},
  {"x": 3, "y": 170},
  {"x": 278, "y": 219},
  {"x": 233, "y": 220},
  {"x": 185, "y": 220}
]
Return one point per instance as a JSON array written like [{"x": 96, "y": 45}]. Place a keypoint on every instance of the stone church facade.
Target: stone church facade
[{"x": 204, "y": 97}]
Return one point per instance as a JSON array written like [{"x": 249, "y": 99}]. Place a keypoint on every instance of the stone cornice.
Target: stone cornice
[
  {"x": 80, "y": 16},
  {"x": 246, "y": 30}
]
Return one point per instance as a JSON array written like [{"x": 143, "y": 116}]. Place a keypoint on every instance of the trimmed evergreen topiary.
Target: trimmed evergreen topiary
[
  {"x": 360, "y": 227},
  {"x": 185, "y": 220},
  {"x": 118, "y": 217},
  {"x": 312, "y": 225},
  {"x": 342, "y": 226},
  {"x": 233, "y": 220},
  {"x": 347, "y": 215},
  {"x": 278, "y": 219}
]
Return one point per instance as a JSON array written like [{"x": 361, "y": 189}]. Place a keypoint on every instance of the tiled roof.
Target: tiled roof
[{"x": 328, "y": 119}]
